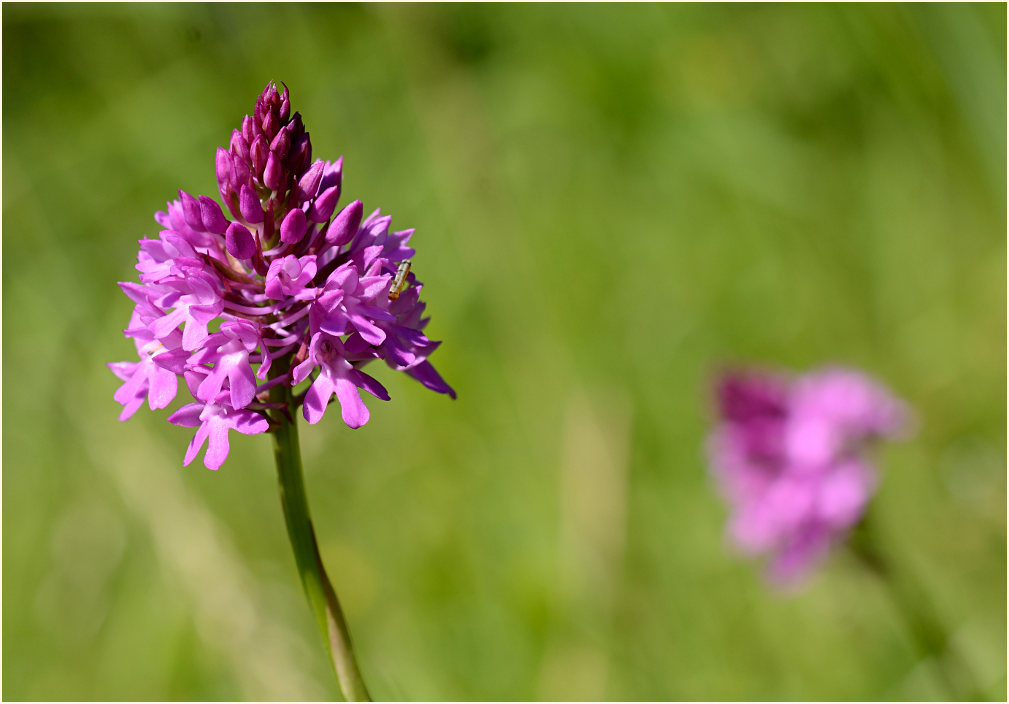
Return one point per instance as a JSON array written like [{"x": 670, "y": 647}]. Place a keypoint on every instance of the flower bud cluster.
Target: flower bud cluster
[
  {"x": 285, "y": 290},
  {"x": 789, "y": 457}
]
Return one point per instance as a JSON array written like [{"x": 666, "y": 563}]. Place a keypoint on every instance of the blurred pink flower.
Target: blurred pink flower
[{"x": 788, "y": 455}]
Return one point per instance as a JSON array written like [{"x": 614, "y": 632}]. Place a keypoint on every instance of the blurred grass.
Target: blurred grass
[{"x": 610, "y": 202}]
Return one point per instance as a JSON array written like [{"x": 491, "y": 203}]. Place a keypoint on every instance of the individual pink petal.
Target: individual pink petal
[
  {"x": 124, "y": 370},
  {"x": 212, "y": 384},
  {"x": 334, "y": 324},
  {"x": 218, "y": 448},
  {"x": 427, "y": 375},
  {"x": 194, "y": 333},
  {"x": 195, "y": 445},
  {"x": 250, "y": 423},
  {"x": 355, "y": 413},
  {"x": 370, "y": 384},
  {"x": 243, "y": 383},
  {"x": 188, "y": 416},
  {"x": 167, "y": 324},
  {"x": 368, "y": 330},
  {"x": 132, "y": 398},
  {"x": 317, "y": 398},
  {"x": 164, "y": 386},
  {"x": 302, "y": 371}
]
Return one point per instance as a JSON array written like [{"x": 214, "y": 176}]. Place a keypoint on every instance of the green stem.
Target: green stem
[
  {"x": 320, "y": 592},
  {"x": 918, "y": 614}
]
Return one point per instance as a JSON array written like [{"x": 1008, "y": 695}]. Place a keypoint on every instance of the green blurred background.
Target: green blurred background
[{"x": 610, "y": 202}]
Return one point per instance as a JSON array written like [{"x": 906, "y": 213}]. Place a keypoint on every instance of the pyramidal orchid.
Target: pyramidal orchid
[{"x": 271, "y": 289}]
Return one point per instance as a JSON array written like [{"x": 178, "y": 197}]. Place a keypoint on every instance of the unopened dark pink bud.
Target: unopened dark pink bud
[
  {"x": 294, "y": 227},
  {"x": 281, "y": 143},
  {"x": 240, "y": 242},
  {"x": 259, "y": 151},
  {"x": 346, "y": 224},
  {"x": 249, "y": 205},
  {"x": 212, "y": 217},
  {"x": 322, "y": 208},
  {"x": 191, "y": 211},
  {"x": 308, "y": 184},
  {"x": 239, "y": 146},
  {"x": 273, "y": 173}
]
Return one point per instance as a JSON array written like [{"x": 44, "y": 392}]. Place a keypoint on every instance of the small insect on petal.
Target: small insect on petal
[{"x": 399, "y": 283}]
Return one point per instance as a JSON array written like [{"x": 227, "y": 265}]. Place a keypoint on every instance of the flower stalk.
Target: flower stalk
[
  {"x": 245, "y": 299},
  {"x": 918, "y": 614},
  {"x": 321, "y": 595}
]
